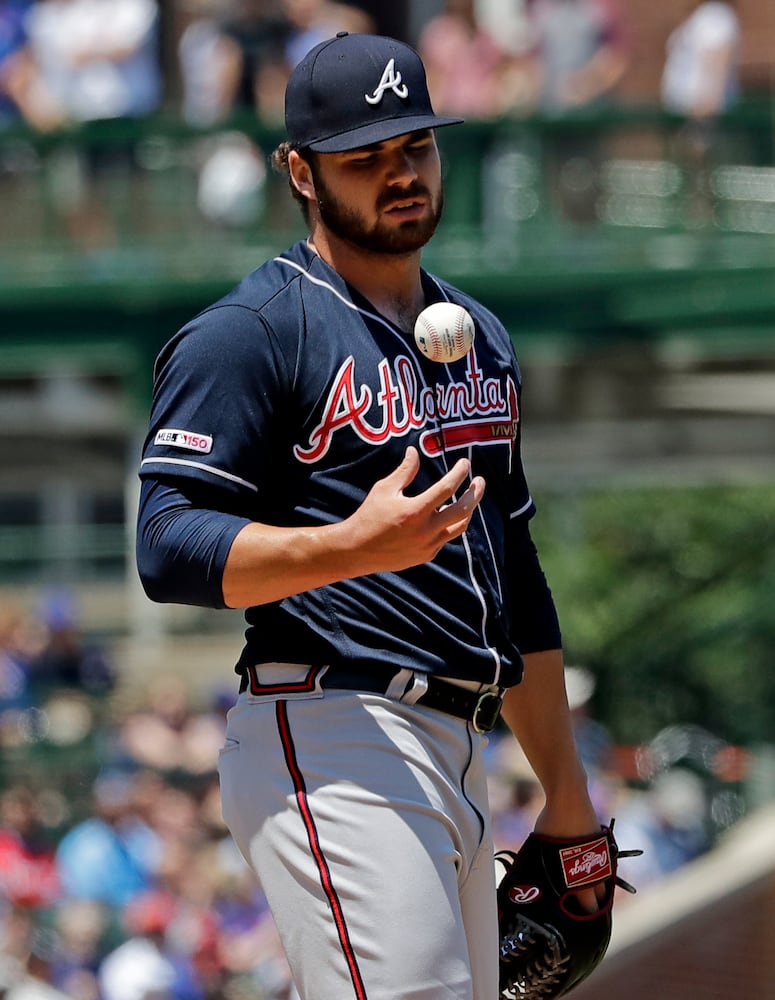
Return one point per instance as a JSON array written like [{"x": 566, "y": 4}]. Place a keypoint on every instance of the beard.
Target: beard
[{"x": 380, "y": 238}]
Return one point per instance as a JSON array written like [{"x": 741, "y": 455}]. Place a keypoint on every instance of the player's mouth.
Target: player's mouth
[{"x": 410, "y": 208}]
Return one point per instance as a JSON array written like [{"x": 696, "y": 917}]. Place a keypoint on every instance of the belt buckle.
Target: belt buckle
[{"x": 486, "y": 712}]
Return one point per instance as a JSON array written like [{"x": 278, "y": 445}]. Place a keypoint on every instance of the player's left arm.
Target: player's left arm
[
  {"x": 537, "y": 709},
  {"x": 537, "y": 712}
]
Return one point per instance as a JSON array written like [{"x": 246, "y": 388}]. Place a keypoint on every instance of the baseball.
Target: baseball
[{"x": 444, "y": 332}]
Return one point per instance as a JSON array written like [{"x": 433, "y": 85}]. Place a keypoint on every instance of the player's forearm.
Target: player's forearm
[
  {"x": 388, "y": 532},
  {"x": 537, "y": 713},
  {"x": 189, "y": 555},
  {"x": 192, "y": 550},
  {"x": 267, "y": 563}
]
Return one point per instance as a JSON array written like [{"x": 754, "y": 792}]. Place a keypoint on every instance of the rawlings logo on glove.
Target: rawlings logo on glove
[
  {"x": 548, "y": 944},
  {"x": 585, "y": 864},
  {"x": 524, "y": 893}
]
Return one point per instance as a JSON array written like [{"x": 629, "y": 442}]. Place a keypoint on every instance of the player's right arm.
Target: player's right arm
[{"x": 187, "y": 553}]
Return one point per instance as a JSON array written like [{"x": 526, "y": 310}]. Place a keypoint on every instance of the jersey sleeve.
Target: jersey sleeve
[
  {"x": 534, "y": 622},
  {"x": 209, "y": 464},
  {"x": 218, "y": 386},
  {"x": 182, "y": 543}
]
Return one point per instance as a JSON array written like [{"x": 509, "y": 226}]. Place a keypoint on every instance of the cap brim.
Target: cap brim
[{"x": 374, "y": 132}]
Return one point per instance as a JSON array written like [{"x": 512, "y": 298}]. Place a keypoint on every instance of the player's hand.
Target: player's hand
[
  {"x": 393, "y": 531},
  {"x": 574, "y": 823}
]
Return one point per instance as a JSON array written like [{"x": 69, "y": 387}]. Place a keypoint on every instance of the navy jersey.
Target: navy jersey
[{"x": 285, "y": 402}]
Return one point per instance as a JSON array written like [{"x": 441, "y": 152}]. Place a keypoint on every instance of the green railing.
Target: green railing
[
  {"x": 140, "y": 215},
  {"x": 574, "y": 230},
  {"x": 157, "y": 198},
  {"x": 535, "y": 207}
]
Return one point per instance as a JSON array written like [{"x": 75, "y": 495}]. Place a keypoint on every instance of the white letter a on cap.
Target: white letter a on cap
[{"x": 390, "y": 80}]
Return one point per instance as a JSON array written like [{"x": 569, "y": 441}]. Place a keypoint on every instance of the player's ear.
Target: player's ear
[{"x": 301, "y": 175}]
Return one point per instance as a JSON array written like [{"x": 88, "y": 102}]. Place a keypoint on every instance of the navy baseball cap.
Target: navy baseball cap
[{"x": 354, "y": 90}]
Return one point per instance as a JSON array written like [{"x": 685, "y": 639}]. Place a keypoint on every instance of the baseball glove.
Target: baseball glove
[{"x": 548, "y": 944}]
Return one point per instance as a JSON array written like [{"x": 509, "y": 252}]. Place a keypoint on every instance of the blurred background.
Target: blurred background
[{"x": 612, "y": 197}]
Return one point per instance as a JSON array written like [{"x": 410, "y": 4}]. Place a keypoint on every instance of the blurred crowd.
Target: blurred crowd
[
  {"x": 118, "y": 878},
  {"x": 65, "y": 61},
  {"x": 218, "y": 64}
]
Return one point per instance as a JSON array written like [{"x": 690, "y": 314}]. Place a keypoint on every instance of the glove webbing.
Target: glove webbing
[{"x": 544, "y": 972}]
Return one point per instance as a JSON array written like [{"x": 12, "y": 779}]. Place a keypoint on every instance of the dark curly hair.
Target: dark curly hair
[{"x": 280, "y": 166}]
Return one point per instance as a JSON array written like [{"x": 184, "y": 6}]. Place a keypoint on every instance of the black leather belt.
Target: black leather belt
[{"x": 480, "y": 708}]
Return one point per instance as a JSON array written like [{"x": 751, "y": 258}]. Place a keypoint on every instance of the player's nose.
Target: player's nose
[{"x": 401, "y": 167}]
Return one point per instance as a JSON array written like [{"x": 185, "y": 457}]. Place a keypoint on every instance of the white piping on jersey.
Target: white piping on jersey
[
  {"x": 326, "y": 284},
  {"x": 478, "y": 591},
  {"x": 522, "y": 509},
  {"x": 199, "y": 465},
  {"x": 344, "y": 300}
]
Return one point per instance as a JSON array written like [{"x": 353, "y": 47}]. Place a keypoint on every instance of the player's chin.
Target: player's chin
[{"x": 408, "y": 235}]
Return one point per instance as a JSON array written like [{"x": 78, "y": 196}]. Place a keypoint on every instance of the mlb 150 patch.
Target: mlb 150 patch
[{"x": 187, "y": 440}]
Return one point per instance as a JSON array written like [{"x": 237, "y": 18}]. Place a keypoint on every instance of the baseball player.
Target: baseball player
[{"x": 367, "y": 507}]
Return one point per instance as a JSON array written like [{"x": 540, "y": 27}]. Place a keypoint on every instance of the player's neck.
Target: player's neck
[{"x": 391, "y": 282}]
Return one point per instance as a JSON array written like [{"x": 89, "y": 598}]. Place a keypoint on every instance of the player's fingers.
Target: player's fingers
[
  {"x": 455, "y": 516},
  {"x": 588, "y": 899},
  {"x": 403, "y": 475},
  {"x": 443, "y": 491}
]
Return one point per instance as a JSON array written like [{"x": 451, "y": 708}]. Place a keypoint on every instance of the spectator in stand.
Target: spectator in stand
[
  {"x": 248, "y": 56},
  {"x": 464, "y": 64},
  {"x": 81, "y": 928},
  {"x": 593, "y": 740},
  {"x": 273, "y": 35},
  {"x": 669, "y": 820},
  {"x": 167, "y": 732},
  {"x": 515, "y": 794},
  {"x": 259, "y": 28},
  {"x": 21, "y": 97},
  {"x": 112, "y": 855},
  {"x": 16, "y": 650},
  {"x": 28, "y": 874},
  {"x": 67, "y": 659},
  {"x": 312, "y": 21},
  {"x": 209, "y": 62},
  {"x": 700, "y": 76},
  {"x": 580, "y": 53},
  {"x": 153, "y": 845},
  {"x": 141, "y": 967},
  {"x": 700, "y": 82},
  {"x": 13, "y": 42},
  {"x": 230, "y": 165},
  {"x": 592, "y": 737},
  {"x": 98, "y": 60},
  {"x": 25, "y": 954}
]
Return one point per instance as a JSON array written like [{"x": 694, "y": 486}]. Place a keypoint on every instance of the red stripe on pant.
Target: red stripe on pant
[{"x": 302, "y": 801}]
